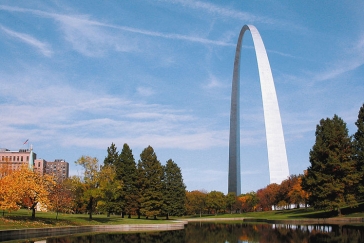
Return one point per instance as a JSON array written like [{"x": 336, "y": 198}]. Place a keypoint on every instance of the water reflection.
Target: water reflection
[
  {"x": 275, "y": 233},
  {"x": 232, "y": 233}
]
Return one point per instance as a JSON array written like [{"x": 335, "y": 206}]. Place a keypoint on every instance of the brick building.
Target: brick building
[{"x": 15, "y": 159}]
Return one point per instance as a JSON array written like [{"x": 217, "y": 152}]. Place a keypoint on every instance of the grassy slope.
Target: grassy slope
[{"x": 21, "y": 219}]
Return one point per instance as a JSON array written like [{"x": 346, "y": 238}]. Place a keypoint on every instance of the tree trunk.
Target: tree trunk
[
  {"x": 33, "y": 209},
  {"x": 90, "y": 208},
  {"x": 33, "y": 212},
  {"x": 155, "y": 217},
  {"x": 338, "y": 211}
]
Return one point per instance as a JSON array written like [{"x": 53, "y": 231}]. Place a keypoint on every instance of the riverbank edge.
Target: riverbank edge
[{"x": 18, "y": 234}]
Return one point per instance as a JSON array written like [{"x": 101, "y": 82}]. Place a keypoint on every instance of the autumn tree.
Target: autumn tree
[
  {"x": 331, "y": 178},
  {"x": 9, "y": 197},
  {"x": 215, "y": 201},
  {"x": 196, "y": 202},
  {"x": 110, "y": 189},
  {"x": 62, "y": 197},
  {"x": 249, "y": 201},
  {"x": 231, "y": 202},
  {"x": 174, "y": 190},
  {"x": 151, "y": 185},
  {"x": 283, "y": 196},
  {"x": 79, "y": 203},
  {"x": 296, "y": 194},
  {"x": 267, "y": 196},
  {"x": 359, "y": 151},
  {"x": 126, "y": 171},
  {"x": 91, "y": 180},
  {"x": 26, "y": 187}
]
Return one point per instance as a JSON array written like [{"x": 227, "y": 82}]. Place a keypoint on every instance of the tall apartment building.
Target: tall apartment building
[
  {"x": 13, "y": 160},
  {"x": 59, "y": 168}
]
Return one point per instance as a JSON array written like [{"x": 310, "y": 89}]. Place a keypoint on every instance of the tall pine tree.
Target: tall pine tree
[
  {"x": 174, "y": 190},
  {"x": 127, "y": 171},
  {"x": 151, "y": 185},
  {"x": 331, "y": 179},
  {"x": 114, "y": 203},
  {"x": 359, "y": 150},
  {"x": 112, "y": 155}
]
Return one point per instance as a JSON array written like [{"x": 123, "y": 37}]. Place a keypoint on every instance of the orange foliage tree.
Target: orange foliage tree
[
  {"x": 268, "y": 197},
  {"x": 196, "y": 202},
  {"x": 25, "y": 187},
  {"x": 248, "y": 201},
  {"x": 62, "y": 197}
]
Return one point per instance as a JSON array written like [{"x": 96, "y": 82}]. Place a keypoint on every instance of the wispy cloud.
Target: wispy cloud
[
  {"x": 90, "y": 37},
  {"x": 43, "y": 47},
  {"x": 222, "y": 11},
  {"x": 65, "y": 115},
  {"x": 353, "y": 59}
]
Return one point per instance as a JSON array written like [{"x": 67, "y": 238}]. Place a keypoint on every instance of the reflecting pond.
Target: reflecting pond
[{"x": 228, "y": 232}]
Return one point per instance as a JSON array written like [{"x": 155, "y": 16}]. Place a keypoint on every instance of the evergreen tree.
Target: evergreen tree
[
  {"x": 174, "y": 190},
  {"x": 359, "y": 150},
  {"x": 331, "y": 178},
  {"x": 112, "y": 155},
  {"x": 151, "y": 185},
  {"x": 127, "y": 171},
  {"x": 115, "y": 203}
]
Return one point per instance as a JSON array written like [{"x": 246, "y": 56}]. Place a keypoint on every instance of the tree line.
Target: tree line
[
  {"x": 335, "y": 178},
  {"x": 118, "y": 186}
]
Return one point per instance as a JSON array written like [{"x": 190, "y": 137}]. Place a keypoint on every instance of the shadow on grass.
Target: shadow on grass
[{"x": 40, "y": 220}]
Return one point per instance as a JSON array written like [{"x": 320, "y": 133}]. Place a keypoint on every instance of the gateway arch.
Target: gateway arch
[{"x": 277, "y": 157}]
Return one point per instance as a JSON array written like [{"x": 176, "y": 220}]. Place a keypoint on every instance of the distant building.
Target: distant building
[
  {"x": 13, "y": 160},
  {"x": 59, "y": 168},
  {"x": 40, "y": 166}
]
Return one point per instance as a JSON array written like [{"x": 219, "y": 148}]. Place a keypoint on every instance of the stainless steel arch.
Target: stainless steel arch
[{"x": 277, "y": 156}]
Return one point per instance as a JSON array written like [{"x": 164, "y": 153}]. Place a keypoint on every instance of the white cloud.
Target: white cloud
[
  {"x": 93, "y": 38},
  {"x": 222, "y": 11},
  {"x": 352, "y": 59},
  {"x": 43, "y": 47}
]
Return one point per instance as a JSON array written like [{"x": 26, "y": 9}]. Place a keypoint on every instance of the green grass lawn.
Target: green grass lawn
[{"x": 22, "y": 218}]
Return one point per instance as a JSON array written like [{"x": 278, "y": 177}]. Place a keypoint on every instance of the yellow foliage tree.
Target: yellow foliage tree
[{"x": 25, "y": 187}]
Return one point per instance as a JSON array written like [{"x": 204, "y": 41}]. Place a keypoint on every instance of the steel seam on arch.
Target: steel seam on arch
[{"x": 277, "y": 156}]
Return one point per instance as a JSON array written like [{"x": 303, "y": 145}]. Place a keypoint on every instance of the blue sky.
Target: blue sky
[{"x": 76, "y": 76}]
